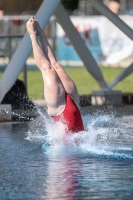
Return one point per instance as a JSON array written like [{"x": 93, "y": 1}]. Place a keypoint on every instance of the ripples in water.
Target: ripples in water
[
  {"x": 38, "y": 161},
  {"x": 104, "y": 136}
]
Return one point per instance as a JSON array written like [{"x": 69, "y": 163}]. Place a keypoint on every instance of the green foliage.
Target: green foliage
[
  {"x": 70, "y": 4},
  {"x": 83, "y": 80}
]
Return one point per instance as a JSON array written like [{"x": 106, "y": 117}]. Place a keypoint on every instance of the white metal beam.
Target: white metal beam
[
  {"x": 79, "y": 45},
  {"x": 123, "y": 27},
  {"x": 19, "y": 58},
  {"x": 122, "y": 76},
  {"x": 113, "y": 17}
]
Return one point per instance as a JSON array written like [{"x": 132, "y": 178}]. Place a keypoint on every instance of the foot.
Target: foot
[
  {"x": 30, "y": 25},
  {"x": 38, "y": 29}
]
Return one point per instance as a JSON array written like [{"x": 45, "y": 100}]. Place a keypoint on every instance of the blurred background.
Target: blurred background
[
  {"x": 109, "y": 46},
  {"x": 78, "y": 7}
]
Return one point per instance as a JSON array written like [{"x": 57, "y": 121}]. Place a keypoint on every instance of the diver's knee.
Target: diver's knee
[
  {"x": 46, "y": 67},
  {"x": 56, "y": 65}
]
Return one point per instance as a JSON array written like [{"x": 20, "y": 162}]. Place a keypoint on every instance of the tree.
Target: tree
[{"x": 70, "y": 4}]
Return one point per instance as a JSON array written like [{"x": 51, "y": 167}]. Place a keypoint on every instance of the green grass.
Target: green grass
[{"x": 83, "y": 80}]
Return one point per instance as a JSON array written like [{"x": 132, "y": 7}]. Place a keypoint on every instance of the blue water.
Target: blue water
[{"x": 35, "y": 162}]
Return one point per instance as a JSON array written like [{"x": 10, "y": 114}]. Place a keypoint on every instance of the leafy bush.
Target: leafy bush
[{"x": 70, "y": 4}]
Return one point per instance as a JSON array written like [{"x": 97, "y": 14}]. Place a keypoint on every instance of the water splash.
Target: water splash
[{"x": 103, "y": 136}]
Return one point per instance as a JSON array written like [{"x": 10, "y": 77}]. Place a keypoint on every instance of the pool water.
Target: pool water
[{"x": 37, "y": 163}]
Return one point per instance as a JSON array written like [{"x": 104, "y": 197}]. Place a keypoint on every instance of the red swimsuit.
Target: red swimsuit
[{"x": 70, "y": 116}]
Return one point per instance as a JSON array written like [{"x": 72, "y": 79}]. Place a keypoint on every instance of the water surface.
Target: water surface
[{"x": 36, "y": 163}]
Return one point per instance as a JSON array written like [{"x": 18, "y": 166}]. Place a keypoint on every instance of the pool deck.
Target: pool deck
[
  {"x": 126, "y": 109},
  {"x": 28, "y": 115},
  {"x": 8, "y": 114}
]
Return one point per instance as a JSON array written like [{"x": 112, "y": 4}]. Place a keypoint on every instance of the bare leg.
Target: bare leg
[
  {"x": 54, "y": 90},
  {"x": 67, "y": 82}
]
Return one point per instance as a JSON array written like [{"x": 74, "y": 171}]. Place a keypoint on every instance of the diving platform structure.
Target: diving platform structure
[{"x": 46, "y": 10}]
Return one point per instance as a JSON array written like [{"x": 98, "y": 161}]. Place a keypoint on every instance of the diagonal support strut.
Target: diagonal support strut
[
  {"x": 80, "y": 46},
  {"x": 122, "y": 76},
  {"x": 23, "y": 51},
  {"x": 123, "y": 27},
  {"x": 113, "y": 18}
]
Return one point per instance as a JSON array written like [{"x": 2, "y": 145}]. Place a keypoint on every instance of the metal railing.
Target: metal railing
[
  {"x": 15, "y": 25},
  {"x": 12, "y": 30}
]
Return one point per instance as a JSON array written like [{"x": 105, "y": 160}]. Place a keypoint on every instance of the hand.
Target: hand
[{"x": 30, "y": 25}]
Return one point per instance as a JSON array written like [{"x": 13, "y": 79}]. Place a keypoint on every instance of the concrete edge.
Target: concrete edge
[{"x": 7, "y": 114}]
